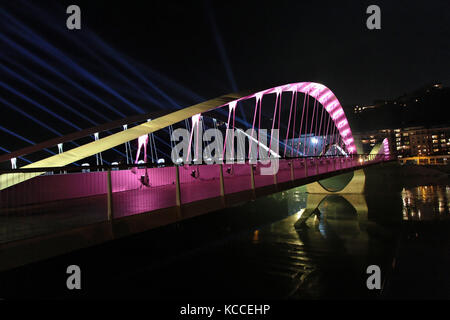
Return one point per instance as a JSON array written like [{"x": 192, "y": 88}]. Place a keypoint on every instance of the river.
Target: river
[
  {"x": 289, "y": 245},
  {"x": 256, "y": 251}
]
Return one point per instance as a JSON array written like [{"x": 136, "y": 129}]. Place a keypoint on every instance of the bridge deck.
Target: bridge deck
[{"x": 56, "y": 203}]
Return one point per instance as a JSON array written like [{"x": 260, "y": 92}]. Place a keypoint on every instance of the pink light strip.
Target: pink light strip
[
  {"x": 324, "y": 95},
  {"x": 301, "y": 124},
  {"x": 289, "y": 124}
]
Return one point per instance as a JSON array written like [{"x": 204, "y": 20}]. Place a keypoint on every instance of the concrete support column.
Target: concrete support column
[
  {"x": 177, "y": 188},
  {"x": 109, "y": 196},
  {"x": 252, "y": 178},
  {"x": 222, "y": 184}
]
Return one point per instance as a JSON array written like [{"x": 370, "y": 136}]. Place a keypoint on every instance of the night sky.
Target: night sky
[
  {"x": 269, "y": 44},
  {"x": 165, "y": 55}
]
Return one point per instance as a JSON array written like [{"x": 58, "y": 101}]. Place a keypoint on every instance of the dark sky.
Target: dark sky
[{"x": 271, "y": 43}]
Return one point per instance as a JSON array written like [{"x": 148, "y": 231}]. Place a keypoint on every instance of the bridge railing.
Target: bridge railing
[{"x": 67, "y": 197}]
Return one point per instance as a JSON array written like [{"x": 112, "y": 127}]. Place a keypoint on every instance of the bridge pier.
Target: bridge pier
[
  {"x": 109, "y": 196},
  {"x": 346, "y": 183},
  {"x": 252, "y": 180},
  {"x": 341, "y": 184},
  {"x": 314, "y": 200},
  {"x": 222, "y": 184},
  {"x": 177, "y": 191},
  {"x": 312, "y": 208}
]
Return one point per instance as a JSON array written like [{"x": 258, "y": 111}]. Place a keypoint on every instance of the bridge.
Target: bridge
[{"x": 226, "y": 160}]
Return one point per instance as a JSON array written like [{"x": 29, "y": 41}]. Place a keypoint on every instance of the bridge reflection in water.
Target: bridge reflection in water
[
  {"x": 326, "y": 257},
  {"x": 257, "y": 249}
]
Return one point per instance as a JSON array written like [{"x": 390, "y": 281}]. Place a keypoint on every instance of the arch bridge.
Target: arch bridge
[{"x": 308, "y": 140}]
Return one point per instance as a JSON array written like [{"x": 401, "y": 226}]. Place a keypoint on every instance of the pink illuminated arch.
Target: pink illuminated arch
[
  {"x": 322, "y": 94},
  {"x": 386, "y": 150}
]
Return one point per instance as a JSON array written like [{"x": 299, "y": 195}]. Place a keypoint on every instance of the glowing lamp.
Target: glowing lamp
[
  {"x": 196, "y": 118},
  {"x": 259, "y": 96}
]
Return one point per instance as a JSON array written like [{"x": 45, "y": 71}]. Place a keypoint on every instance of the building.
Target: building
[
  {"x": 408, "y": 142},
  {"x": 419, "y": 141}
]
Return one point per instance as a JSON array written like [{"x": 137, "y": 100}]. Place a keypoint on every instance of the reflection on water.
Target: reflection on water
[
  {"x": 318, "y": 248},
  {"x": 295, "y": 245},
  {"x": 338, "y": 236},
  {"x": 426, "y": 202}
]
